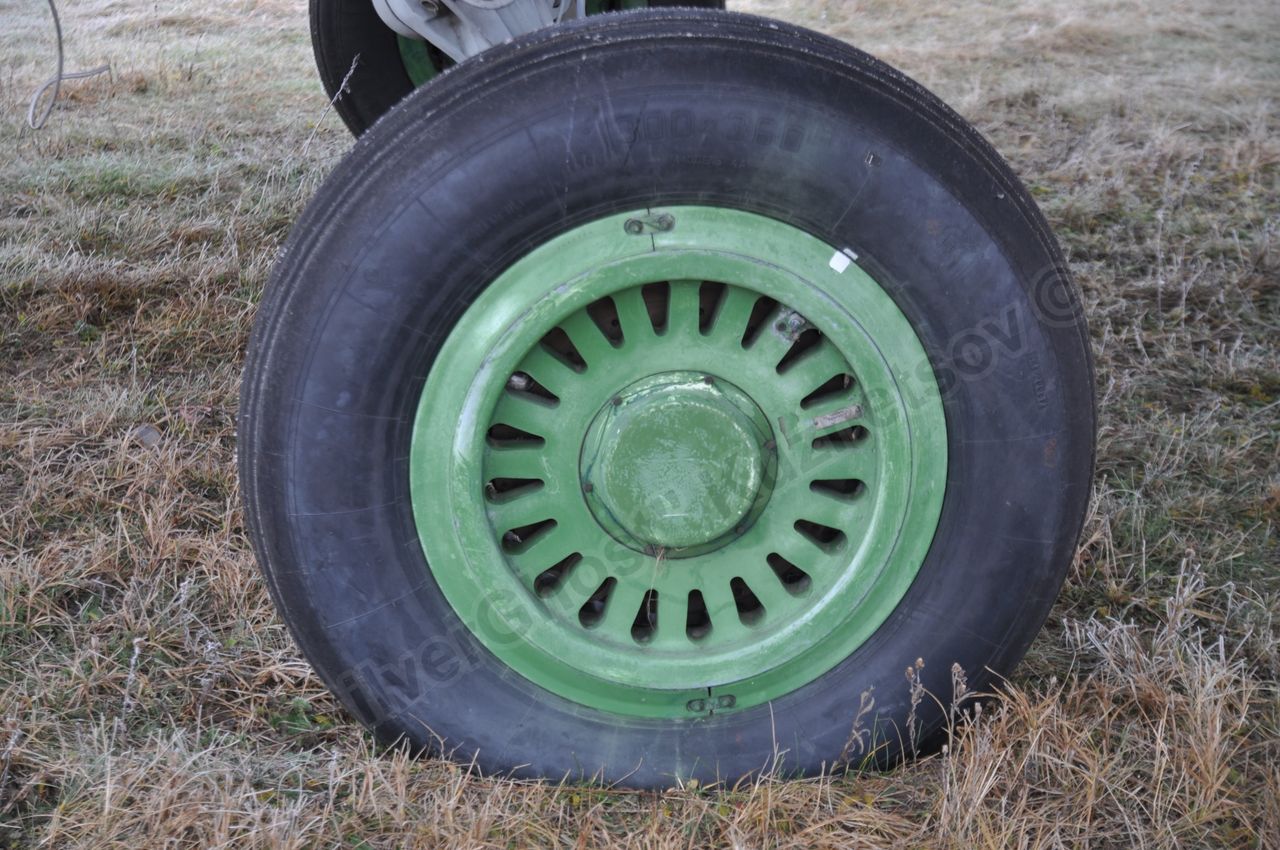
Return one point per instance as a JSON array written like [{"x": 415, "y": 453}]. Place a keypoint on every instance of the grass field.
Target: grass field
[{"x": 149, "y": 696}]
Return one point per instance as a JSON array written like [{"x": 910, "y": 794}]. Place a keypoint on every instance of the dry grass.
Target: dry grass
[{"x": 149, "y": 697}]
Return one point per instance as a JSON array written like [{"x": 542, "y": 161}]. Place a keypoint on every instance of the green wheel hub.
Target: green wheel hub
[
  {"x": 419, "y": 64},
  {"x": 678, "y": 462}
]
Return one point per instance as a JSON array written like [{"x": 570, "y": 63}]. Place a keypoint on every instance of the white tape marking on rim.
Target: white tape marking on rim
[{"x": 841, "y": 260}]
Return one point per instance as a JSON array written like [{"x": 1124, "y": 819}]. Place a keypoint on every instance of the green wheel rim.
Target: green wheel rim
[
  {"x": 678, "y": 462},
  {"x": 422, "y": 66},
  {"x": 418, "y": 62}
]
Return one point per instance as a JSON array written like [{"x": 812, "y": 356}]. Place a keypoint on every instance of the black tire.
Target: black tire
[
  {"x": 341, "y": 30},
  {"x": 387, "y": 257}
]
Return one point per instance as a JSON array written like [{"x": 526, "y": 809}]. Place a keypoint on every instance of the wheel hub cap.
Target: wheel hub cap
[{"x": 678, "y": 463}]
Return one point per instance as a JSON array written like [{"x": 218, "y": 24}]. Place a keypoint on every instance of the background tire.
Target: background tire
[
  {"x": 341, "y": 30},
  {"x": 774, "y": 121}
]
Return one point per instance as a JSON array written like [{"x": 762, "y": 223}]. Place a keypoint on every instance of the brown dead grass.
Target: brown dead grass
[{"x": 149, "y": 697}]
